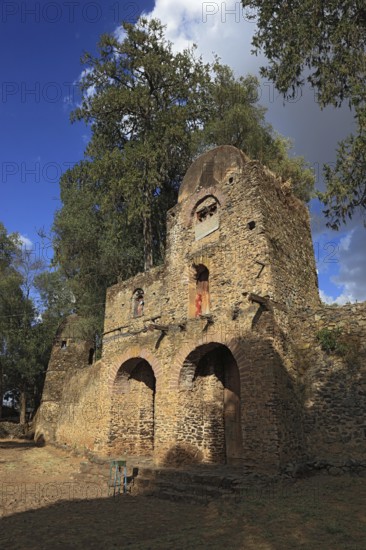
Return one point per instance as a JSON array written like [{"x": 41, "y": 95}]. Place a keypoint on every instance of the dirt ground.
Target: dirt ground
[{"x": 42, "y": 508}]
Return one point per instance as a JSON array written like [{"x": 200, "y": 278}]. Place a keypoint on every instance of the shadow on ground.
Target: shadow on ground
[
  {"x": 297, "y": 521},
  {"x": 21, "y": 445}
]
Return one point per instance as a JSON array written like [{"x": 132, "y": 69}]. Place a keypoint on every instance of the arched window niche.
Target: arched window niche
[
  {"x": 199, "y": 299},
  {"x": 206, "y": 217},
  {"x": 138, "y": 303}
]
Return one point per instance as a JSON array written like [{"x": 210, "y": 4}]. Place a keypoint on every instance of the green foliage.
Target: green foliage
[
  {"x": 236, "y": 119},
  {"x": 335, "y": 341},
  {"x": 16, "y": 314},
  {"x": 147, "y": 102},
  {"x": 11, "y": 295},
  {"x": 25, "y": 338},
  {"x": 326, "y": 42},
  {"x": 330, "y": 341},
  {"x": 55, "y": 295},
  {"x": 8, "y": 248},
  {"x": 346, "y": 189}
]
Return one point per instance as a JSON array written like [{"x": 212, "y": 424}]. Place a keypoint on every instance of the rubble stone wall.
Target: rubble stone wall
[{"x": 334, "y": 384}]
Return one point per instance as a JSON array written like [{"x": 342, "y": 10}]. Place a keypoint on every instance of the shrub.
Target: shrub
[{"x": 331, "y": 341}]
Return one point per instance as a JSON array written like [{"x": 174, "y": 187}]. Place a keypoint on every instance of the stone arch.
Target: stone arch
[
  {"x": 265, "y": 429},
  {"x": 130, "y": 353},
  {"x": 209, "y": 410},
  {"x": 132, "y": 418},
  {"x": 205, "y": 197},
  {"x": 110, "y": 372},
  {"x": 196, "y": 348}
]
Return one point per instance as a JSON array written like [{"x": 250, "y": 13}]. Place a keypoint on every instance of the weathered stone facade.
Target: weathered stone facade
[{"x": 213, "y": 356}]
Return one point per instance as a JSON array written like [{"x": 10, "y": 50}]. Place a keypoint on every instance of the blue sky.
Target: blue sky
[
  {"x": 38, "y": 90},
  {"x": 42, "y": 43}
]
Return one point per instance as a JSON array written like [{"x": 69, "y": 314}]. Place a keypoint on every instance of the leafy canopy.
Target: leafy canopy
[
  {"x": 322, "y": 43},
  {"x": 27, "y": 331}
]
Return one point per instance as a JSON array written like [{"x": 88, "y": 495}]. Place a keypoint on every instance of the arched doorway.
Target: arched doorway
[
  {"x": 209, "y": 412},
  {"x": 132, "y": 409}
]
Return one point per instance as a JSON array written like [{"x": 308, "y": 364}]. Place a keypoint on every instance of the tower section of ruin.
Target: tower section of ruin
[
  {"x": 70, "y": 353},
  {"x": 234, "y": 232},
  {"x": 234, "y": 218}
]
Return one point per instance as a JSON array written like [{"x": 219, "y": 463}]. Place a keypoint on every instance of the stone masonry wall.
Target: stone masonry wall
[
  {"x": 70, "y": 353},
  {"x": 334, "y": 385},
  {"x": 291, "y": 255},
  {"x": 132, "y": 411}
]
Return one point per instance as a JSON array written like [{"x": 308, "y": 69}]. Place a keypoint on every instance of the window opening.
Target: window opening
[
  {"x": 91, "y": 356},
  {"x": 202, "y": 299},
  {"x": 138, "y": 303}
]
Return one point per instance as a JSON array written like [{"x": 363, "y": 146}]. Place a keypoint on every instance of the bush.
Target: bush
[
  {"x": 331, "y": 341},
  {"x": 344, "y": 345}
]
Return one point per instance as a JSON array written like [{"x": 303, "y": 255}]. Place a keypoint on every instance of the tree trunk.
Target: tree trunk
[
  {"x": 23, "y": 406},
  {"x": 147, "y": 231},
  {"x": 1, "y": 387}
]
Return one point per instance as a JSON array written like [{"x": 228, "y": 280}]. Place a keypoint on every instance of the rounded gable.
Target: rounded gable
[{"x": 210, "y": 169}]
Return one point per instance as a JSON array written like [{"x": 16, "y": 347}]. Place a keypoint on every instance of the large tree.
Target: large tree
[
  {"x": 322, "y": 43},
  {"x": 27, "y": 323},
  {"x": 143, "y": 103},
  {"x": 236, "y": 119},
  {"x": 146, "y": 103},
  {"x": 10, "y": 297},
  {"x": 18, "y": 368}
]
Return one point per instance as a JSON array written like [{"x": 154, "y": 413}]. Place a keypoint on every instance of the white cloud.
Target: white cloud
[
  {"x": 120, "y": 34},
  {"x": 351, "y": 268},
  {"x": 325, "y": 298},
  {"x": 219, "y": 28},
  {"x": 26, "y": 243},
  {"x": 69, "y": 101},
  {"x": 352, "y": 265},
  {"x": 345, "y": 241},
  {"x": 83, "y": 73},
  {"x": 343, "y": 298}
]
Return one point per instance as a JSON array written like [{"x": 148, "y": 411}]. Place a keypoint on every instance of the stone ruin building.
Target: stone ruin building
[{"x": 215, "y": 356}]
